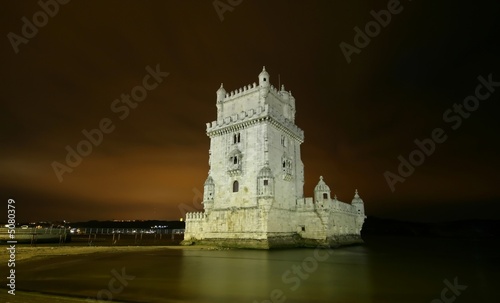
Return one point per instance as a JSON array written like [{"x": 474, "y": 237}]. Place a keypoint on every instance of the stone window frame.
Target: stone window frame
[
  {"x": 236, "y": 138},
  {"x": 284, "y": 141},
  {"x": 287, "y": 165}
]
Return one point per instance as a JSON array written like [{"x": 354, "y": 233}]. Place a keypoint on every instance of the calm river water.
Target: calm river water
[{"x": 383, "y": 270}]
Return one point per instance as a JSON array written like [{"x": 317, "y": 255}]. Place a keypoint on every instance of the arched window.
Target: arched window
[
  {"x": 235, "y": 186},
  {"x": 325, "y": 196}
]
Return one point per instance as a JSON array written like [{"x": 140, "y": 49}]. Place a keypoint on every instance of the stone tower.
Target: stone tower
[{"x": 253, "y": 195}]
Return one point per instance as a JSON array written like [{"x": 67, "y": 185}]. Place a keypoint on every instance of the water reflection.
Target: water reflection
[{"x": 301, "y": 275}]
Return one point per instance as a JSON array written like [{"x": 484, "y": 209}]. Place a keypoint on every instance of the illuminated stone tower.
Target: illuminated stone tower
[{"x": 253, "y": 195}]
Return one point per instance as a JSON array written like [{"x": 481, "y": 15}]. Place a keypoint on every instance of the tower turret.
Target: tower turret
[
  {"x": 321, "y": 192},
  {"x": 358, "y": 204},
  {"x": 292, "y": 101},
  {"x": 221, "y": 93},
  {"x": 264, "y": 78},
  {"x": 265, "y": 182},
  {"x": 208, "y": 194},
  {"x": 284, "y": 93},
  {"x": 289, "y": 107}
]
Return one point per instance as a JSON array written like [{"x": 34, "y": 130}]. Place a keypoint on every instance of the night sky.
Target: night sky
[{"x": 358, "y": 117}]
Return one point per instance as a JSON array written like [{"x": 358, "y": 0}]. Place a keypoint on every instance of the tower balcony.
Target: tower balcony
[{"x": 234, "y": 169}]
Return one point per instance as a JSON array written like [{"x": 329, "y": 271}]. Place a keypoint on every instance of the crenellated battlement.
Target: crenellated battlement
[
  {"x": 282, "y": 95},
  {"x": 250, "y": 88},
  {"x": 243, "y": 116},
  {"x": 342, "y": 207},
  {"x": 304, "y": 203},
  {"x": 247, "y": 89},
  {"x": 249, "y": 117},
  {"x": 308, "y": 204},
  {"x": 195, "y": 216}
]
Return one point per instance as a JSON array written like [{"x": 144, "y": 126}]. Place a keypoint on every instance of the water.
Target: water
[
  {"x": 277, "y": 276},
  {"x": 383, "y": 270}
]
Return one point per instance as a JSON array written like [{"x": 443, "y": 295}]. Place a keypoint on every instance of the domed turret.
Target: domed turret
[
  {"x": 358, "y": 204},
  {"x": 292, "y": 99},
  {"x": 265, "y": 182},
  {"x": 209, "y": 181},
  {"x": 265, "y": 172},
  {"x": 221, "y": 93},
  {"x": 209, "y": 191},
  {"x": 321, "y": 186},
  {"x": 264, "y": 78},
  {"x": 321, "y": 191},
  {"x": 284, "y": 93}
]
